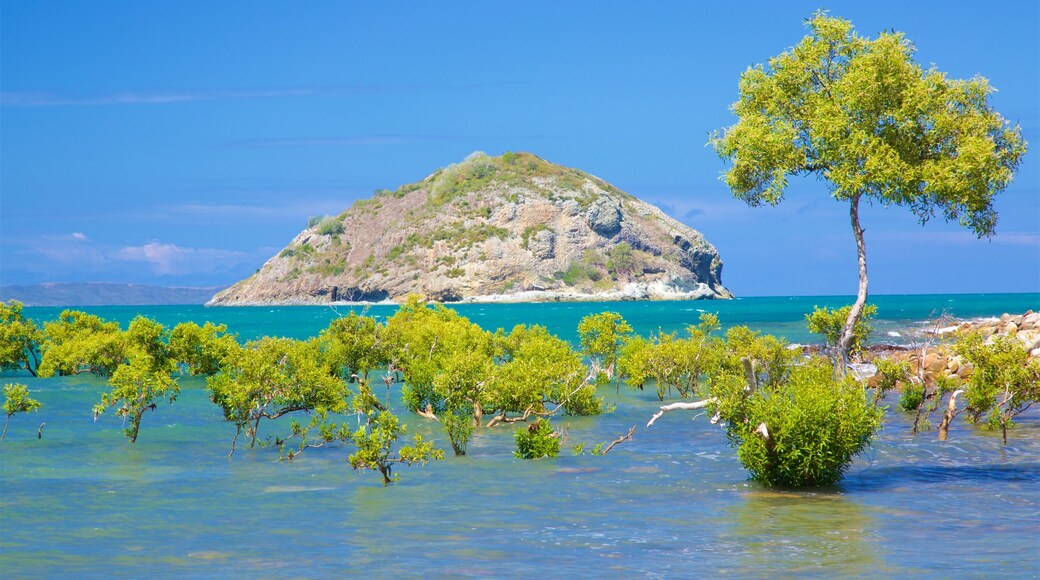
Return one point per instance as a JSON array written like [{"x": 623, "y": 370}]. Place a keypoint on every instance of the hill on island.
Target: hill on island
[{"x": 508, "y": 228}]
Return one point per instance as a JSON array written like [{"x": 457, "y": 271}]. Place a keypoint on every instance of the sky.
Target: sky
[{"x": 184, "y": 143}]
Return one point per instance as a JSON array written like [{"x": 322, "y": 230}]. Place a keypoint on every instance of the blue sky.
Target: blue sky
[{"x": 184, "y": 143}]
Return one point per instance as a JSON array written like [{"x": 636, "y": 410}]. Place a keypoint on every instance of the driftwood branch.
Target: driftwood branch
[
  {"x": 427, "y": 413},
  {"x": 621, "y": 439},
  {"x": 682, "y": 405}
]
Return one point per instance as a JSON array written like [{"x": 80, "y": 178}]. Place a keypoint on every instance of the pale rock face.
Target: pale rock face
[{"x": 491, "y": 229}]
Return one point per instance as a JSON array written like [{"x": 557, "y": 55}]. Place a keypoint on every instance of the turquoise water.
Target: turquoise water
[{"x": 673, "y": 502}]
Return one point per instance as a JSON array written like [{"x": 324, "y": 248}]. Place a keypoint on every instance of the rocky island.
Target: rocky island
[{"x": 508, "y": 228}]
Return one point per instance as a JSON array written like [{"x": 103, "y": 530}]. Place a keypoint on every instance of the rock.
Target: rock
[
  {"x": 1030, "y": 321},
  {"x": 509, "y": 228},
  {"x": 1035, "y": 352},
  {"x": 543, "y": 244},
  {"x": 1011, "y": 329},
  {"x": 934, "y": 363},
  {"x": 604, "y": 217}
]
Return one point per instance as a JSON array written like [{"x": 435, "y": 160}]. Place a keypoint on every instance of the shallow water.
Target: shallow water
[{"x": 674, "y": 501}]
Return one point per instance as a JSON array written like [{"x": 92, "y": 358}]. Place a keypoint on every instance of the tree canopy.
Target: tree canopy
[{"x": 864, "y": 117}]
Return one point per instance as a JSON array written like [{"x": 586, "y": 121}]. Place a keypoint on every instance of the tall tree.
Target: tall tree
[{"x": 868, "y": 120}]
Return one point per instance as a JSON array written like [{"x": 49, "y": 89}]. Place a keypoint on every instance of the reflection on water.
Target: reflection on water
[{"x": 802, "y": 533}]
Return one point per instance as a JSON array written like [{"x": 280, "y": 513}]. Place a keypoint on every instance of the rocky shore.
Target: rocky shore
[{"x": 930, "y": 354}]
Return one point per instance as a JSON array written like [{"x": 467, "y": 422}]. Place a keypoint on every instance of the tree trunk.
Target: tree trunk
[
  {"x": 845, "y": 342},
  {"x": 256, "y": 429},
  {"x": 951, "y": 410},
  {"x": 237, "y": 431},
  {"x": 8, "y": 421},
  {"x": 31, "y": 366},
  {"x": 135, "y": 426}
]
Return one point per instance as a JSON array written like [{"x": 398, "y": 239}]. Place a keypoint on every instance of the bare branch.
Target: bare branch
[
  {"x": 682, "y": 405},
  {"x": 621, "y": 439}
]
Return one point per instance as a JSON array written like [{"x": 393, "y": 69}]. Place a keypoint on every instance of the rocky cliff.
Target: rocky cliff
[{"x": 509, "y": 228}]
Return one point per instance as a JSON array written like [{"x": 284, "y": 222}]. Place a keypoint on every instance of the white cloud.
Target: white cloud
[
  {"x": 172, "y": 260},
  {"x": 957, "y": 237},
  {"x": 80, "y": 236}
]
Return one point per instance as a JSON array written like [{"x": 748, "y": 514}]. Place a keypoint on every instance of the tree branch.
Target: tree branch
[
  {"x": 682, "y": 405},
  {"x": 621, "y": 439}
]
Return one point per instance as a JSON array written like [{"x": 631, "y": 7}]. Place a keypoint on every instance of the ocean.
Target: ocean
[{"x": 672, "y": 502}]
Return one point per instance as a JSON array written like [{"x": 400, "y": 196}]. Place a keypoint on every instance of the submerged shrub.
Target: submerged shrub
[
  {"x": 537, "y": 440},
  {"x": 802, "y": 431},
  {"x": 1005, "y": 381},
  {"x": 17, "y": 400}
]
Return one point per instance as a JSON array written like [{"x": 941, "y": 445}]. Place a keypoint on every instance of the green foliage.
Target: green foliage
[
  {"x": 428, "y": 341},
  {"x": 912, "y": 397},
  {"x": 864, "y": 116},
  {"x": 143, "y": 378},
  {"x": 793, "y": 422},
  {"x": 802, "y": 432},
  {"x": 621, "y": 261},
  {"x": 377, "y": 436},
  {"x": 330, "y": 226},
  {"x": 328, "y": 265},
  {"x": 460, "y": 372},
  {"x": 892, "y": 374},
  {"x": 670, "y": 361},
  {"x": 137, "y": 387},
  {"x": 17, "y": 400},
  {"x": 529, "y": 232},
  {"x": 830, "y": 322},
  {"x": 537, "y": 440},
  {"x": 458, "y": 424},
  {"x": 79, "y": 342},
  {"x": 1004, "y": 383},
  {"x": 356, "y": 345},
  {"x": 588, "y": 268},
  {"x": 538, "y": 368},
  {"x": 20, "y": 339},
  {"x": 272, "y": 377},
  {"x": 325, "y": 430},
  {"x": 602, "y": 336},
  {"x": 314, "y": 220},
  {"x": 635, "y": 361},
  {"x": 202, "y": 349}
]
